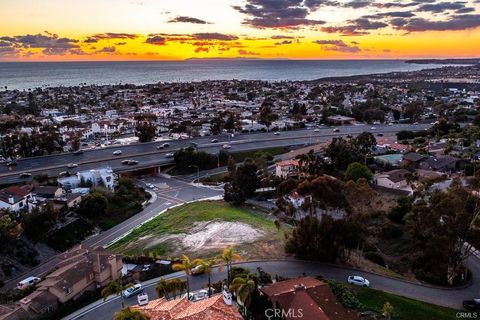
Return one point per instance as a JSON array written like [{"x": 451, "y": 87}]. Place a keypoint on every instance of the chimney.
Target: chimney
[
  {"x": 11, "y": 200},
  {"x": 227, "y": 298},
  {"x": 299, "y": 287}
]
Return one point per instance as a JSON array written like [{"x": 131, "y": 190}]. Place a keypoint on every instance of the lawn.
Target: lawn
[
  {"x": 70, "y": 235},
  {"x": 211, "y": 225},
  {"x": 403, "y": 308}
]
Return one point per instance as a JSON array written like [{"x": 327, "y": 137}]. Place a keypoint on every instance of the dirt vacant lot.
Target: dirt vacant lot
[{"x": 203, "y": 229}]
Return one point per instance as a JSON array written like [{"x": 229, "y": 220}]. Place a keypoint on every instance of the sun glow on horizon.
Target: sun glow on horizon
[{"x": 55, "y": 30}]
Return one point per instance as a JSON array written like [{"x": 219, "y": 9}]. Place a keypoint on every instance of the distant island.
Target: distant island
[{"x": 463, "y": 61}]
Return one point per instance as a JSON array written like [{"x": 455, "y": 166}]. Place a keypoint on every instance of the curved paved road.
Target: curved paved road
[{"x": 291, "y": 268}]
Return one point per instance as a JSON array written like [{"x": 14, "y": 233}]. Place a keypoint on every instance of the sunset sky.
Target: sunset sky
[{"x": 58, "y": 30}]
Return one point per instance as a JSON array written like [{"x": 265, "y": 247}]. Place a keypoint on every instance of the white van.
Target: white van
[{"x": 25, "y": 283}]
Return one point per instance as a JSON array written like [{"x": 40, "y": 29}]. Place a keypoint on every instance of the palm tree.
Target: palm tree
[
  {"x": 243, "y": 288},
  {"x": 186, "y": 266},
  {"x": 130, "y": 314},
  {"x": 170, "y": 288},
  {"x": 227, "y": 257},
  {"x": 116, "y": 288},
  {"x": 207, "y": 268}
]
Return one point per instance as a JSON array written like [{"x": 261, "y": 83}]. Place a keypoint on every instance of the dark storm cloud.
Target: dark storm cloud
[
  {"x": 441, "y": 7},
  {"x": 356, "y": 27},
  {"x": 279, "y": 13},
  {"x": 356, "y": 4},
  {"x": 110, "y": 35},
  {"x": 338, "y": 46},
  {"x": 110, "y": 49},
  {"x": 214, "y": 36},
  {"x": 284, "y": 42},
  {"x": 156, "y": 40},
  {"x": 185, "y": 19},
  {"x": 459, "y": 22}
]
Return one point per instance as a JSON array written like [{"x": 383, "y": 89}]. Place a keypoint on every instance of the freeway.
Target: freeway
[
  {"x": 103, "y": 310},
  {"x": 148, "y": 155}
]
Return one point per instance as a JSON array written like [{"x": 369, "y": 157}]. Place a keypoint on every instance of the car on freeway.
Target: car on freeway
[
  {"x": 11, "y": 163},
  {"x": 214, "y": 141},
  {"x": 336, "y": 130},
  {"x": 72, "y": 165},
  {"x": 276, "y": 133},
  {"x": 169, "y": 155},
  {"x": 131, "y": 291},
  {"x": 166, "y": 145},
  {"x": 78, "y": 152},
  {"x": 130, "y": 162},
  {"x": 358, "y": 281},
  {"x": 25, "y": 175},
  {"x": 117, "y": 152},
  {"x": 316, "y": 130},
  {"x": 27, "y": 282},
  {"x": 471, "y": 305},
  {"x": 373, "y": 128},
  {"x": 160, "y": 147},
  {"x": 226, "y": 146}
]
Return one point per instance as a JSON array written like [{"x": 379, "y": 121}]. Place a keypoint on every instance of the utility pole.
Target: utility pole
[{"x": 198, "y": 172}]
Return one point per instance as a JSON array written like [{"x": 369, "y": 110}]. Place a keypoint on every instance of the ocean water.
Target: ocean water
[{"x": 25, "y": 75}]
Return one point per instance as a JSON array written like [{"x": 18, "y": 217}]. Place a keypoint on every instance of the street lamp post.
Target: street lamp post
[{"x": 198, "y": 171}]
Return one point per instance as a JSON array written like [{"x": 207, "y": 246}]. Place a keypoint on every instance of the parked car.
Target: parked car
[
  {"x": 226, "y": 146},
  {"x": 169, "y": 155},
  {"x": 72, "y": 165},
  {"x": 142, "y": 299},
  {"x": 471, "y": 304},
  {"x": 11, "y": 163},
  {"x": 214, "y": 141},
  {"x": 131, "y": 291},
  {"x": 27, "y": 282},
  {"x": 78, "y": 152},
  {"x": 358, "y": 281},
  {"x": 380, "y": 134},
  {"x": 117, "y": 152},
  {"x": 197, "y": 270},
  {"x": 197, "y": 295}
]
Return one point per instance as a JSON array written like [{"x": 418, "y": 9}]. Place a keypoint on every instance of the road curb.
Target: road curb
[{"x": 423, "y": 284}]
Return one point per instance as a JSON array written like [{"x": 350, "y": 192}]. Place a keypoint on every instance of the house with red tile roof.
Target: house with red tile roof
[
  {"x": 286, "y": 168},
  {"x": 213, "y": 308},
  {"x": 306, "y": 298}
]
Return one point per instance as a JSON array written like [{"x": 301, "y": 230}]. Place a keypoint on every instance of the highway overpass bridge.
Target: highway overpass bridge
[{"x": 148, "y": 156}]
